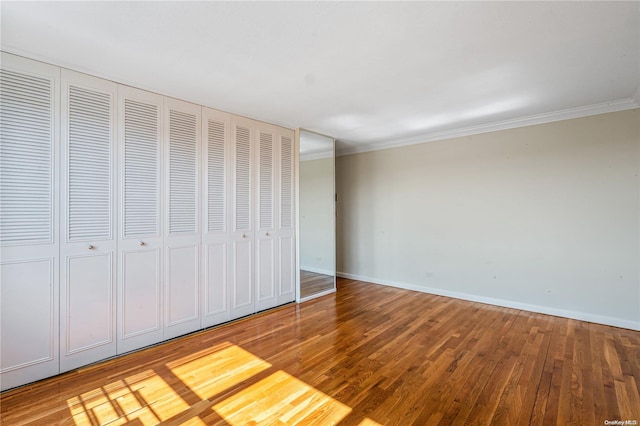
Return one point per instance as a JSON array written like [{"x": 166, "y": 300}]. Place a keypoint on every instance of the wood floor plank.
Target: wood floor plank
[
  {"x": 313, "y": 283},
  {"x": 366, "y": 355}
]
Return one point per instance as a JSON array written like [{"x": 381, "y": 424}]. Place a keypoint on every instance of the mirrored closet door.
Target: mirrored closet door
[{"x": 317, "y": 257}]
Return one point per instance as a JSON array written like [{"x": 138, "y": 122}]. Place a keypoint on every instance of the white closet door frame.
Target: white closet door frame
[
  {"x": 266, "y": 216},
  {"x": 216, "y": 137},
  {"x": 241, "y": 255},
  {"x": 182, "y": 244},
  {"x": 32, "y": 310},
  {"x": 287, "y": 268},
  {"x": 141, "y": 251},
  {"x": 88, "y": 263}
]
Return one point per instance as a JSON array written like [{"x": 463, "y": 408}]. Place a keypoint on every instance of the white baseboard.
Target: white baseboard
[
  {"x": 582, "y": 316},
  {"x": 316, "y": 295},
  {"x": 317, "y": 270}
]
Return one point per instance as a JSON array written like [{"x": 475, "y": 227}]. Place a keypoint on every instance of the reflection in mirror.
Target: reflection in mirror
[{"x": 317, "y": 215}]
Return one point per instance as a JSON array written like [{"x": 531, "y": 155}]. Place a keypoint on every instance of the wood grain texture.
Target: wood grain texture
[
  {"x": 313, "y": 283},
  {"x": 366, "y": 355}
]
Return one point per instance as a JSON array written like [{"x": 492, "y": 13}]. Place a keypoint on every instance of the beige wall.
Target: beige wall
[
  {"x": 317, "y": 234},
  {"x": 544, "y": 218}
]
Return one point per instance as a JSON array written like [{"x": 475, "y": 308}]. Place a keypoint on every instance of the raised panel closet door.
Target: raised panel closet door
[
  {"x": 266, "y": 296},
  {"x": 140, "y": 244},
  {"x": 182, "y": 238},
  {"x": 286, "y": 223},
  {"x": 29, "y": 274},
  {"x": 87, "y": 294},
  {"x": 215, "y": 236},
  {"x": 241, "y": 259}
]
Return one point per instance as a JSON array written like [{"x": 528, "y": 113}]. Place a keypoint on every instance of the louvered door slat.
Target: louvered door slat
[
  {"x": 286, "y": 233},
  {"x": 141, "y": 171},
  {"x": 216, "y": 176},
  {"x": 89, "y": 164},
  {"x": 266, "y": 180},
  {"x": 26, "y": 152},
  {"x": 29, "y": 243},
  {"x": 215, "y": 237},
  {"x": 183, "y": 172},
  {"x": 87, "y": 293},
  {"x": 140, "y": 246},
  {"x": 286, "y": 182},
  {"x": 243, "y": 179},
  {"x": 183, "y": 239}
]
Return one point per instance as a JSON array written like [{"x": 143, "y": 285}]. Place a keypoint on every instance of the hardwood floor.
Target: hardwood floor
[
  {"x": 312, "y": 283},
  {"x": 365, "y": 355}
]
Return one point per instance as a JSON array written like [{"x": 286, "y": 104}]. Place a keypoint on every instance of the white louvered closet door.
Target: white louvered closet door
[
  {"x": 140, "y": 239},
  {"x": 88, "y": 257},
  {"x": 286, "y": 221},
  {"x": 215, "y": 236},
  {"x": 266, "y": 214},
  {"x": 241, "y": 266},
  {"x": 29, "y": 285},
  {"x": 182, "y": 236}
]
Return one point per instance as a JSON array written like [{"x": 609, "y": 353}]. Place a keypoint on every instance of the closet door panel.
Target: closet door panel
[
  {"x": 242, "y": 279},
  {"x": 215, "y": 310},
  {"x": 86, "y": 300},
  {"x": 140, "y": 244},
  {"x": 141, "y": 295},
  {"x": 29, "y": 284},
  {"x": 215, "y": 237},
  {"x": 29, "y": 307},
  {"x": 88, "y": 249},
  {"x": 287, "y": 283},
  {"x": 265, "y": 274},
  {"x": 29, "y": 265},
  {"x": 182, "y": 286},
  {"x": 182, "y": 237},
  {"x": 286, "y": 222},
  {"x": 266, "y": 213},
  {"x": 242, "y": 288}
]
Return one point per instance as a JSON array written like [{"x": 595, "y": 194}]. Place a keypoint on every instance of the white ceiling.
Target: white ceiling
[{"x": 369, "y": 74}]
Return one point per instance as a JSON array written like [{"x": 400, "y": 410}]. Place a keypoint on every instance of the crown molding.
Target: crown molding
[{"x": 565, "y": 114}]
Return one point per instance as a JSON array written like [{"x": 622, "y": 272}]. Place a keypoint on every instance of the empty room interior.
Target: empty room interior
[{"x": 329, "y": 213}]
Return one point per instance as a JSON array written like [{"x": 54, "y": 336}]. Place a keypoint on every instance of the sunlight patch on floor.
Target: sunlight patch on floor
[
  {"x": 144, "y": 397},
  {"x": 368, "y": 422},
  {"x": 148, "y": 398},
  {"x": 212, "y": 373},
  {"x": 281, "y": 399}
]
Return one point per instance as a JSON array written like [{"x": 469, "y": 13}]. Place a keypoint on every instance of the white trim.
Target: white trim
[
  {"x": 317, "y": 270},
  {"x": 316, "y": 295},
  {"x": 548, "y": 117},
  {"x": 582, "y": 316}
]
